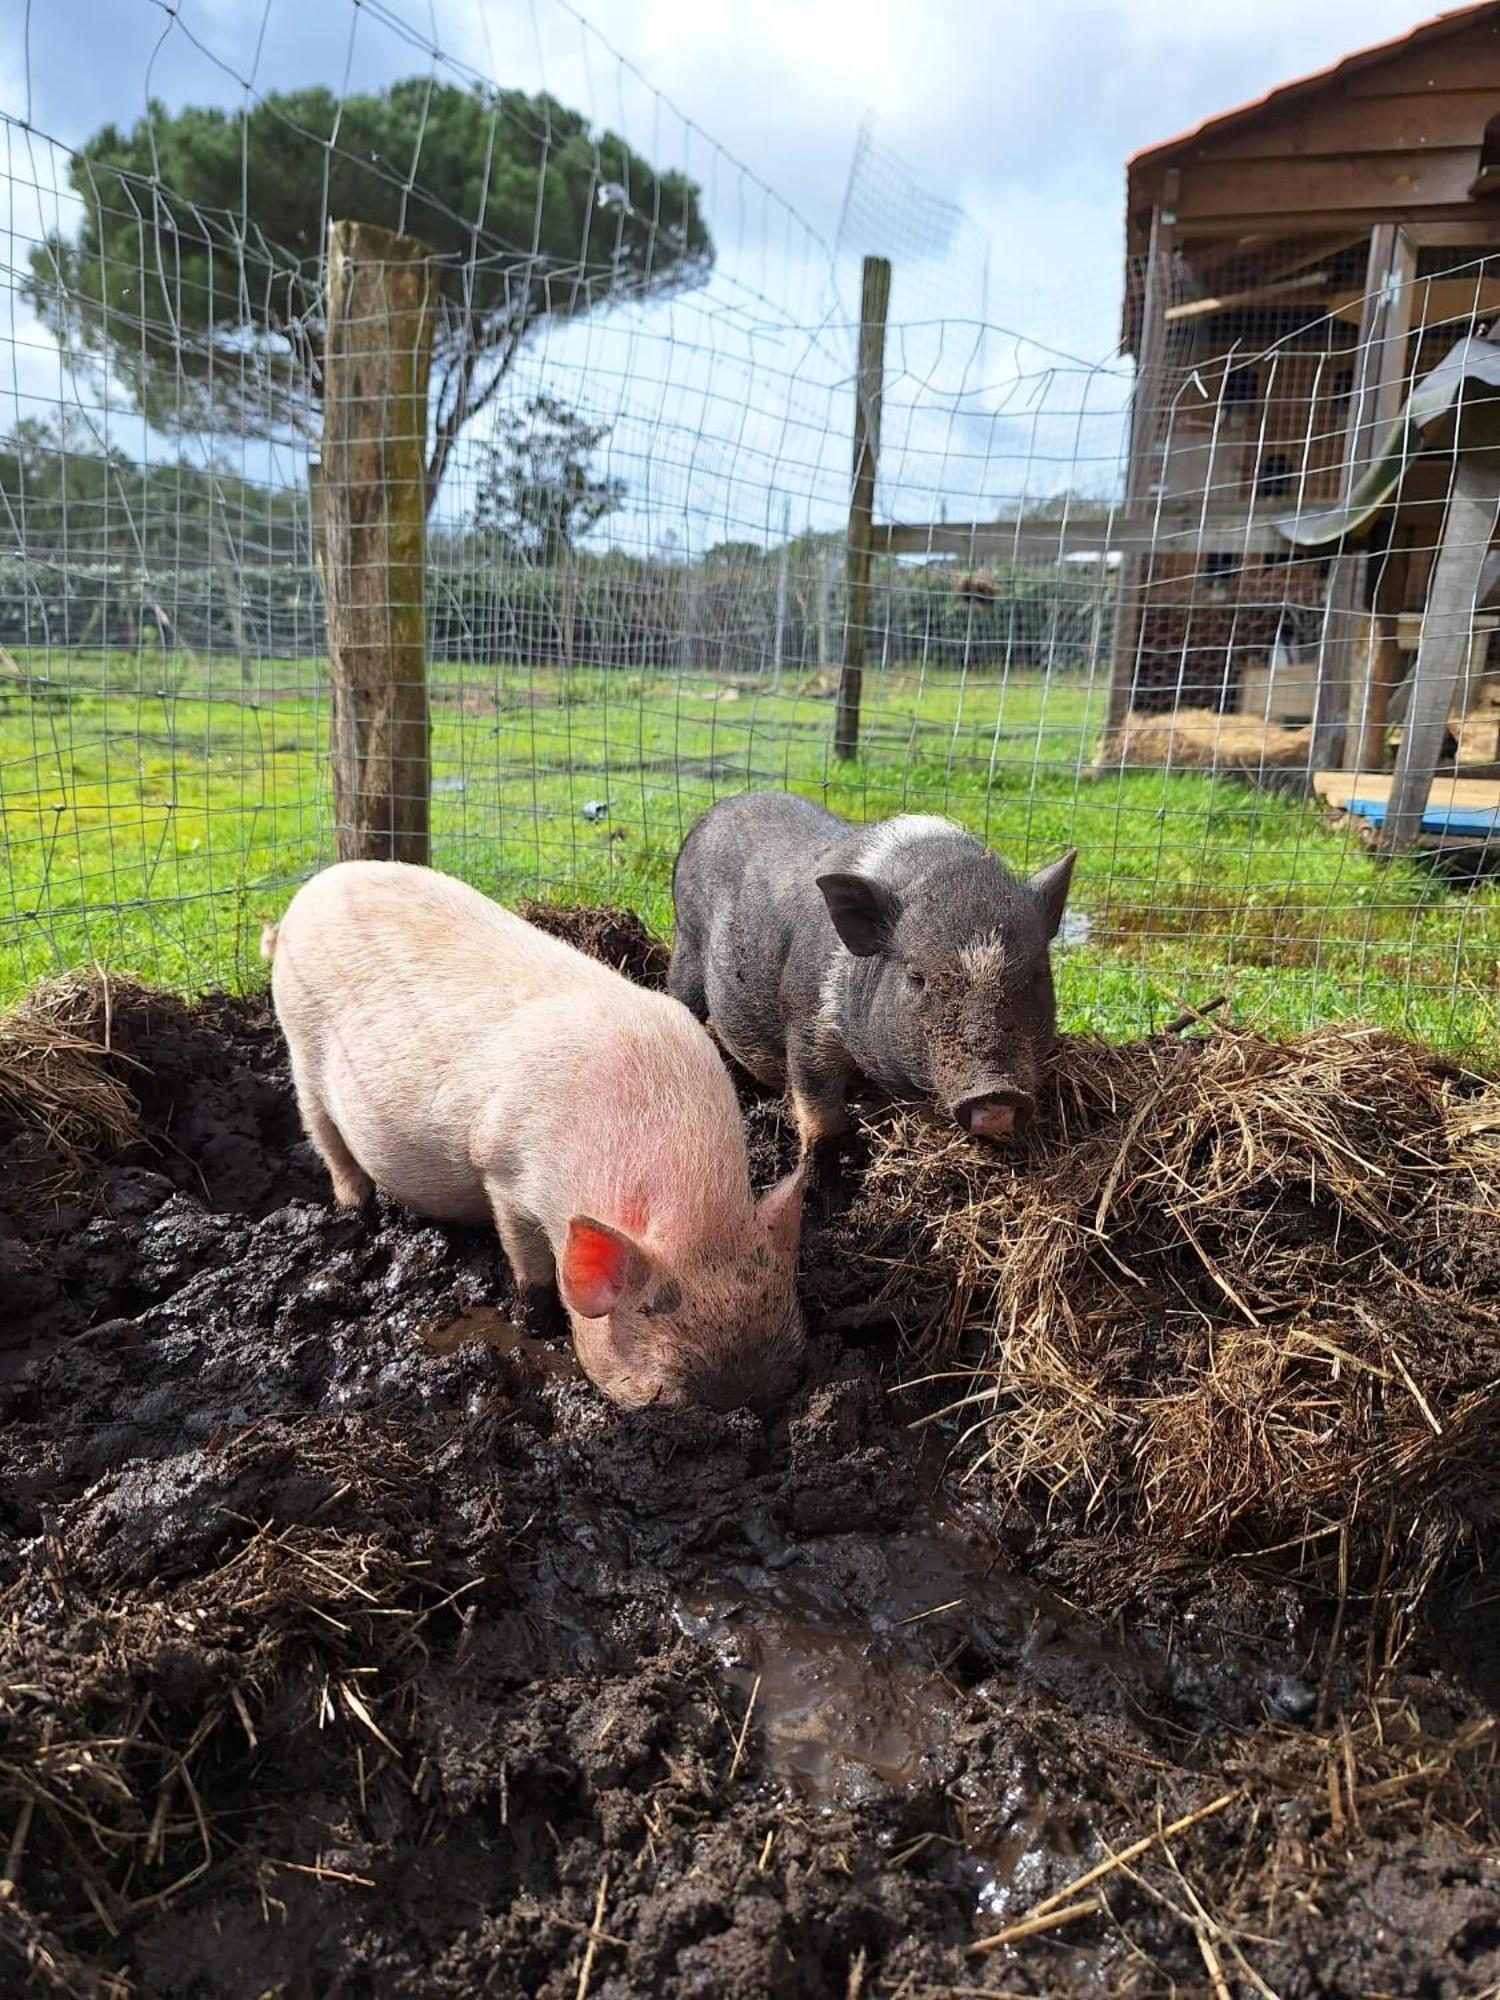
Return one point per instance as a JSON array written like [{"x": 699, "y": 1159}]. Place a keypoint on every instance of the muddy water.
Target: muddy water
[
  {"x": 490, "y": 1327},
  {"x": 855, "y": 1657}
]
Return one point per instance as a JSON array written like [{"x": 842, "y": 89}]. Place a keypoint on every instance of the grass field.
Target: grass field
[{"x": 156, "y": 809}]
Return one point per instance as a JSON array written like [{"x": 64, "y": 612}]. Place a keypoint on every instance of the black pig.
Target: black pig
[{"x": 903, "y": 951}]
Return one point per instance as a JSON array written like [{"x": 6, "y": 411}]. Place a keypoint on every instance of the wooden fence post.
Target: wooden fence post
[
  {"x": 1140, "y": 470},
  {"x": 370, "y": 494},
  {"x": 1374, "y": 403},
  {"x": 874, "y": 303}
]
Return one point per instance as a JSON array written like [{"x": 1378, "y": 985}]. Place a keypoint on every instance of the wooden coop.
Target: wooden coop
[{"x": 1295, "y": 268}]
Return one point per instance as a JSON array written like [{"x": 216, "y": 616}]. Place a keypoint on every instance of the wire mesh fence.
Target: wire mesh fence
[{"x": 1121, "y": 626}]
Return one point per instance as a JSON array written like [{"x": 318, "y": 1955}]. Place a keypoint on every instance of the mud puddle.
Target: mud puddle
[{"x": 855, "y": 1660}]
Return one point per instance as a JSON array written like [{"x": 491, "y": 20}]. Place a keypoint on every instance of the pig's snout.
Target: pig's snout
[{"x": 1001, "y": 1113}]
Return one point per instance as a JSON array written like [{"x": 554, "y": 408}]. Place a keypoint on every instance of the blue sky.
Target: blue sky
[{"x": 733, "y": 405}]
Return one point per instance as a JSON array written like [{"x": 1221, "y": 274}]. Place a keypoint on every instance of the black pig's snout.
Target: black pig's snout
[{"x": 1002, "y": 1113}]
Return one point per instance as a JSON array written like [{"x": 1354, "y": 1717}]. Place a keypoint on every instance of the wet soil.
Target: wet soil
[{"x": 352, "y": 1645}]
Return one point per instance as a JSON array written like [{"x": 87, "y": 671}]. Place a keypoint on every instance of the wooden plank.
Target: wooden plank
[
  {"x": 1373, "y": 182},
  {"x": 1145, "y": 402},
  {"x": 1403, "y": 121},
  {"x": 1274, "y": 291},
  {"x": 1290, "y": 263},
  {"x": 1336, "y": 788},
  {"x": 869, "y": 383},
  {"x": 1466, "y": 60},
  {"x": 1439, "y": 222},
  {"x": 372, "y": 501},
  {"x": 1171, "y": 531},
  {"x": 1447, "y": 634}
]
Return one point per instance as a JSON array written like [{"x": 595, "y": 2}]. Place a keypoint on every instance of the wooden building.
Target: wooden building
[{"x": 1293, "y": 266}]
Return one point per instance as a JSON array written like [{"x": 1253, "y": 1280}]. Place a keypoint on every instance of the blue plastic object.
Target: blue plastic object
[{"x": 1476, "y": 821}]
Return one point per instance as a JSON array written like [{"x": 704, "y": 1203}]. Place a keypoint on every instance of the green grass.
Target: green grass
[{"x": 156, "y": 809}]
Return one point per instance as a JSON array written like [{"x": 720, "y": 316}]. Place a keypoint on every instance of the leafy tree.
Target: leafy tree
[
  {"x": 196, "y": 270},
  {"x": 734, "y": 555},
  {"x": 535, "y": 486},
  {"x": 64, "y": 497}
]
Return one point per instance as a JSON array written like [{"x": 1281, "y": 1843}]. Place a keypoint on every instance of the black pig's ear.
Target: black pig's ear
[
  {"x": 1050, "y": 887},
  {"x": 864, "y": 912}
]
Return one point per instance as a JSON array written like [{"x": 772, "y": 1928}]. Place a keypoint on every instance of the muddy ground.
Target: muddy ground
[{"x": 350, "y": 1644}]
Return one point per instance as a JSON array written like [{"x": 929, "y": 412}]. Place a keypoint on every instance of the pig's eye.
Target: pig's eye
[{"x": 914, "y": 979}]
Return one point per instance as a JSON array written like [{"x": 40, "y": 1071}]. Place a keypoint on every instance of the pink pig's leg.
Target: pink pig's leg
[
  {"x": 351, "y": 1184},
  {"x": 526, "y": 1248}
]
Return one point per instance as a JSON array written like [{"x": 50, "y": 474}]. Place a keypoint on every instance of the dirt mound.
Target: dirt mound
[
  {"x": 352, "y": 1645},
  {"x": 617, "y": 936}
]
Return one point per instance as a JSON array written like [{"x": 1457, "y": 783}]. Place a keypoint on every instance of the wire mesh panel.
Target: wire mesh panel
[{"x": 1128, "y": 630}]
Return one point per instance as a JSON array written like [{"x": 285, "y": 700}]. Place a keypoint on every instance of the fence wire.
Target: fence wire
[{"x": 638, "y": 468}]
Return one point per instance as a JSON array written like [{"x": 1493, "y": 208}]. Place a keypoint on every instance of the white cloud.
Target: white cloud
[{"x": 1020, "y": 113}]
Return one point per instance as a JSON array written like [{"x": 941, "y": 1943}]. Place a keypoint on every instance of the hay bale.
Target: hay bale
[
  {"x": 1200, "y": 739},
  {"x": 1240, "y": 1296}
]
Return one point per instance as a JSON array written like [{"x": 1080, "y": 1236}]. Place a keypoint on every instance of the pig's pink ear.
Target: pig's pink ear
[
  {"x": 599, "y": 1266},
  {"x": 780, "y": 1209}
]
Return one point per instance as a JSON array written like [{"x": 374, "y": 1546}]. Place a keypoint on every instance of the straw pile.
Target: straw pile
[
  {"x": 63, "y": 1091},
  {"x": 1239, "y": 1296},
  {"x": 1200, "y": 739}
]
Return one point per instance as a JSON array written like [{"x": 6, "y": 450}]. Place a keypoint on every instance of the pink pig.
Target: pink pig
[{"x": 474, "y": 1069}]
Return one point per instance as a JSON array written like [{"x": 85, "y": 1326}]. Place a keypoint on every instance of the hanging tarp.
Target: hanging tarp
[{"x": 1454, "y": 408}]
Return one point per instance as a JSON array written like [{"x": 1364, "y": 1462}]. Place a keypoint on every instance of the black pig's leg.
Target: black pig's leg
[{"x": 817, "y": 1081}]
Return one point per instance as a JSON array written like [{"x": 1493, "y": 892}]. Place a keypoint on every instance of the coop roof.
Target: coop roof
[{"x": 1144, "y": 169}]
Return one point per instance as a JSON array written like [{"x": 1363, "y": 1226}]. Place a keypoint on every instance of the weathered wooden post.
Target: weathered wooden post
[
  {"x": 1141, "y": 466},
  {"x": 783, "y": 579},
  {"x": 370, "y": 495},
  {"x": 874, "y": 303},
  {"x": 1446, "y": 641},
  {"x": 822, "y": 597},
  {"x": 1375, "y": 398},
  {"x": 1382, "y": 662}
]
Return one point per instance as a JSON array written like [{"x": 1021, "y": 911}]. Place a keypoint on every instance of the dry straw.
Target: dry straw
[{"x": 1239, "y": 1296}]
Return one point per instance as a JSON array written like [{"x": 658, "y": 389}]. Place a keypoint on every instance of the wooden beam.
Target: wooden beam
[
  {"x": 869, "y": 382},
  {"x": 1383, "y": 662},
  {"x": 1271, "y": 292},
  {"x": 1405, "y": 121},
  {"x": 1150, "y": 375},
  {"x": 1442, "y": 223},
  {"x": 1373, "y": 182},
  {"x": 1170, "y": 530},
  {"x": 372, "y": 503},
  {"x": 1447, "y": 638},
  {"x": 1376, "y": 398}
]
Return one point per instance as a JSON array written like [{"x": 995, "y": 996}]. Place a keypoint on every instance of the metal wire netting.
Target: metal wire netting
[{"x": 638, "y": 466}]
